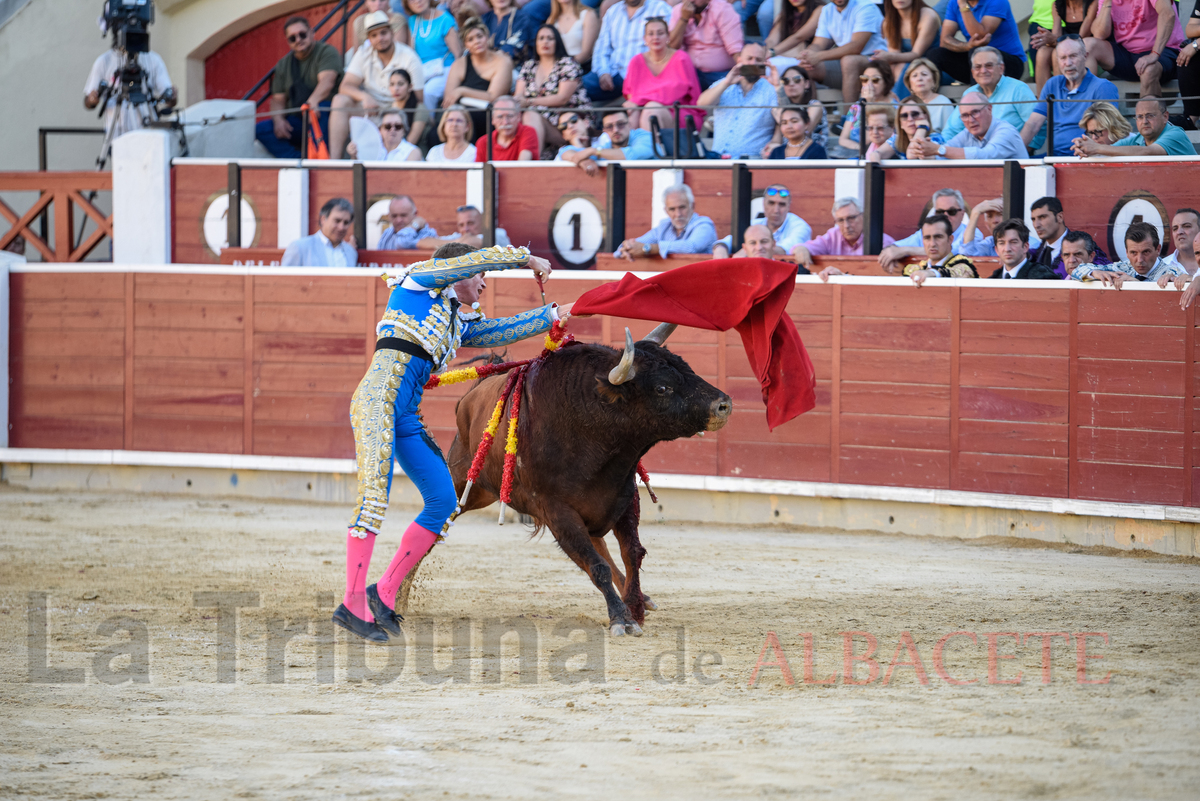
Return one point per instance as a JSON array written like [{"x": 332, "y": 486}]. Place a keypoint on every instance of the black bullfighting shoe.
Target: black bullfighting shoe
[
  {"x": 357, "y": 626},
  {"x": 385, "y": 618}
]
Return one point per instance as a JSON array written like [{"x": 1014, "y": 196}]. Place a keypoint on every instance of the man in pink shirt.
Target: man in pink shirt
[
  {"x": 709, "y": 31},
  {"x": 1136, "y": 40},
  {"x": 845, "y": 238}
]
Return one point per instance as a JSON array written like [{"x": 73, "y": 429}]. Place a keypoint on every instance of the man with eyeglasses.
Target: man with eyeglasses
[
  {"x": 1074, "y": 83},
  {"x": 985, "y": 137},
  {"x": 621, "y": 37},
  {"x": 1013, "y": 98},
  {"x": 846, "y": 30},
  {"x": 407, "y": 227},
  {"x": 684, "y": 231},
  {"x": 1046, "y": 214},
  {"x": 512, "y": 140},
  {"x": 1155, "y": 136},
  {"x": 845, "y": 238},
  {"x": 1142, "y": 261},
  {"x": 1136, "y": 40},
  {"x": 742, "y": 122},
  {"x": 946, "y": 202},
  {"x": 788, "y": 230},
  {"x": 617, "y": 143},
  {"x": 981, "y": 22},
  {"x": 310, "y": 74},
  {"x": 469, "y": 224}
]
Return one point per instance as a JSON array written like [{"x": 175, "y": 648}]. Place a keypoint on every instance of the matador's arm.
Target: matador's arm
[{"x": 439, "y": 273}]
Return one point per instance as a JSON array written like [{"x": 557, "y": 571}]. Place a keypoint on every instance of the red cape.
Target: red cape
[{"x": 750, "y": 295}]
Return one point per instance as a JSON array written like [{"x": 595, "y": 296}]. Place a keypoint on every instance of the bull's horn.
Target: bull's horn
[
  {"x": 624, "y": 370},
  {"x": 659, "y": 335}
]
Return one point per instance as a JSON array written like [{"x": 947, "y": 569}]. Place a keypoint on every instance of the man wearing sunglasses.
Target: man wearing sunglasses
[
  {"x": 946, "y": 202},
  {"x": 1075, "y": 83},
  {"x": 618, "y": 143},
  {"x": 310, "y": 74},
  {"x": 788, "y": 230}
]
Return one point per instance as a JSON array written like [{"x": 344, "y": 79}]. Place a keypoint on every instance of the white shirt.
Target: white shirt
[
  {"x": 374, "y": 74},
  {"x": 859, "y": 16},
  {"x": 105, "y": 69},
  {"x": 1174, "y": 259},
  {"x": 438, "y": 153},
  {"x": 1056, "y": 248},
  {"x": 333, "y": 256},
  {"x": 403, "y": 151},
  {"x": 1013, "y": 272}
]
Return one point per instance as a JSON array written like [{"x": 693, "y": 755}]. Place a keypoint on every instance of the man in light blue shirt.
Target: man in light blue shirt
[
  {"x": 327, "y": 247},
  {"x": 1155, "y": 136},
  {"x": 788, "y": 230},
  {"x": 617, "y": 143},
  {"x": 987, "y": 68},
  {"x": 684, "y": 231},
  {"x": 742, "y": 123},
  {"x": 847, "y": 32},
  {"x": 1075, "y": 83},
  {"x": 401, "y": 234},
  {"x": 621, "y": 38},
  {"x": 985, "y": 137},
  {"x": 948, "y": 202}
]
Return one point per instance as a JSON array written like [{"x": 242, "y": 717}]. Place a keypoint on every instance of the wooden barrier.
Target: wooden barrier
[
  {"x": 1044, "y": 389},
  {"x": 64, "y": 191}
]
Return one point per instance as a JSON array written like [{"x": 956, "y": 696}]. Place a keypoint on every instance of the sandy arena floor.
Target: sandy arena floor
[{"x": 585, "y": 715}]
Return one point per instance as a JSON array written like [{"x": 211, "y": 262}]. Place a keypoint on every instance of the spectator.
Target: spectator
[
  {"x": 1078, "y": 248},
  {"x": 1155, "y": 136},
  {"x": 416, "y": 115},
  {"x": 1188, "y": 64},
  {"x": 937, "y": 237},
  {"x": 310, "y": 74},
  {"x": 881, "y": 128},
  {"x": 788, "y": 230},
  {"x": 619, "y": 141},
  {"x": 947, "y": 202},
  {"x": 407, "y": 226},
  {"x": 757, "y": 243},
  {"x": 793, "y": 32},
  {"x": 1075, "y": 83},
  {"x": 327, "y": 247},
  {"x": 914, "y": 124},
  {"x": 468, "y": 230},
  {"x": 742, "y": 123},
  {"x": 512, "y": 30},
  {"x": 845, "y": 238},
  {"x": 547, "y": 83},
  {"x": 910, "y": 28},
  {"x": 796, "y": 144},
  {"x": 1072, "y": 20},
  {"x": 481, "y": 75},
  {"x": 1142, "y": 261},
  {"x": 763, "y": 12},
  {"x": 877, "y": 86},
  {"x": 1012, "y": 246},
  {"x": 14, "y": 251},
  {"x": 846, "y": 30},
  {"x": 977, "y": 239},
  {"x": 1047, "y": 216},
  {"x": 1016, "y": 97},
  {"x": 923, "y": 79},
  {"x": 1185, "y": 226},
  {"x": 392, "y": 128},
  {"x": 796, "y": 89},
  {"x": 365, "y": 87},
  {"x": 684, "y": 231},
  {"x": 984, "y": 137},
  {"x": 511, "y": 139},
  {"x": 577, "y": 132},
  {"x": 660, "y": 77},
  {"x": 456, "y": 132},
  {"x": 1136, "y": 40},
  {"x": 579, "y": 26},
  {"x": 710, "y": 31},
  {"x": 621, "y": 38},
  {"x": 153, "y": 84},
  {"x": 434, "y": 37},
  {"x": 358, "y": 35},
  {"x": 983, "y": 22},
  {"x": 1103, "y": 124}
]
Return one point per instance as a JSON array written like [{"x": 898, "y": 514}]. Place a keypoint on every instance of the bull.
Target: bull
[{"x": 589, "y": 413}]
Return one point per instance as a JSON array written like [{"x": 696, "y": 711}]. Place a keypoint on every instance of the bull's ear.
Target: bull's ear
[{"x": 608, "y": 392}]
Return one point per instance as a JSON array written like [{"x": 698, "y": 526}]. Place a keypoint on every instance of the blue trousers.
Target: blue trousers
[
  {"x": 384, "y": 414},
  {"x": 707, "y": 79},
  {"x": 599, "y": 97},
  {"x": 762, "y": 10},
  {"x": 264, "y": 132}
]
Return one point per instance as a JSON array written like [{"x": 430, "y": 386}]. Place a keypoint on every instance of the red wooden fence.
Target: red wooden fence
[{"x": 1054, "y": 390}]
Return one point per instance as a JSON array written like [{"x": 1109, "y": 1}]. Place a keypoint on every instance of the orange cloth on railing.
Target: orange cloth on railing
[{"x": 314, "y": 132}]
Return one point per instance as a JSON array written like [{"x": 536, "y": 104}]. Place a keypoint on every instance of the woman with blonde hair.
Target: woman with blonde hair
[
  {"x": 1103, "y": 124},
  {"x": 480, "y": 75},
  {"x": 913, "y": 123},
  {"x": 456, "y": 132},
  {"x": 579, "y": 26},
  {"x": 922, "y": 78}
]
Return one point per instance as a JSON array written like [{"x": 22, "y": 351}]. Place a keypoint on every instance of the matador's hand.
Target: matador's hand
[{"x": 540, "y": 266}]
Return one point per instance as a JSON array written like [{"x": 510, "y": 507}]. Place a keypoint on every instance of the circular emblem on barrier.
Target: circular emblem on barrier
[
  {"x": 377, "y": 220},
  {"x": 576, "y": 230},
  {"x": 214, "y": 226},
  {"x": 1136, "y": 206}
]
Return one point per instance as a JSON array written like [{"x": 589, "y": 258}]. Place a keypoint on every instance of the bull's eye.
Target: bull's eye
[{"x": 661, "y": 390}]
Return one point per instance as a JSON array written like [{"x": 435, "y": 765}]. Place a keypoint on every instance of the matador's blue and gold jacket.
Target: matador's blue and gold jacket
[{"x": 424, "y": 310}]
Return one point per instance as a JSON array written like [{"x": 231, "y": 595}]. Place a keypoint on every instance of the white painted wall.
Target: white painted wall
[{"x": 142, "y": 197}]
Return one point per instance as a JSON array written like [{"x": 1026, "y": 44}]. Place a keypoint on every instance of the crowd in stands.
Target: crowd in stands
[{"x": 726, "y": 73}]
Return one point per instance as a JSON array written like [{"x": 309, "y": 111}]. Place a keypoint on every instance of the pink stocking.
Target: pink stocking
[
  {"x": 358, "y": 561},
  {"x": 416, "y": 543}
]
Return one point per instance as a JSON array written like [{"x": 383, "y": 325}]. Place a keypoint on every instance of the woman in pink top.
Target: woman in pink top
[{"x": 660, "y": 77}]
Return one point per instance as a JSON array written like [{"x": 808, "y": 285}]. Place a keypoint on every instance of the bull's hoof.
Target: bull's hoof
[
  {"x": 617, "y": 630},
  {"x": 649, "y": 604},
  {"x": 634, "y": 629}
]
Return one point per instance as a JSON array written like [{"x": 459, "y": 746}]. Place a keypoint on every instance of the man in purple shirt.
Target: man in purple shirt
[
  {"x": 845, "y": 238},
  {"x": 710, "y": 32}
]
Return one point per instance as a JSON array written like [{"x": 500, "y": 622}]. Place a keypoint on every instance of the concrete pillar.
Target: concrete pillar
[
  {"x": 850, "y": 182},
  {"x": 1039, "y": 183},
  {"x": 475, "y": 189},
  {"x": 293, "y": 205},
  {"x": 661, "y": 182},
  {"x": 141, "y": 198}
]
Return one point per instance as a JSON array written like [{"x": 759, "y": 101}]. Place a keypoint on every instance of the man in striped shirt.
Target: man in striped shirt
[
  {"x": 1141, "y": 262},
  {"x": 621, "y": 33}
]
